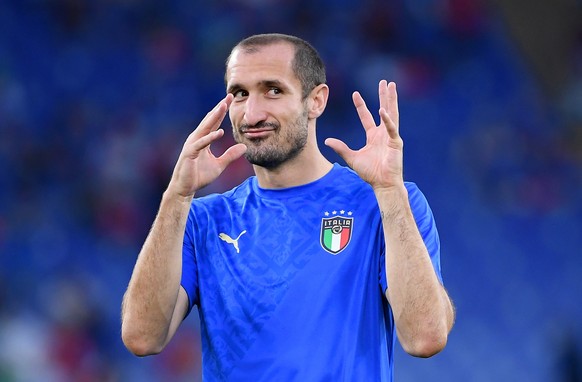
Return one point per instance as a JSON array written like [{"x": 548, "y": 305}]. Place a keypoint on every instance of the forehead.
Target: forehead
[{"x": 271, "y": 62}]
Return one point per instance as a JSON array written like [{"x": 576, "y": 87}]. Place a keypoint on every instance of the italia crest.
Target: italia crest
[{"x": 336, "y": 233}]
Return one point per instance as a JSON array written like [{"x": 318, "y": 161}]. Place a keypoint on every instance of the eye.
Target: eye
[
  {"x": 238, "y": 94},
  {"x": 274, "y": 91}
]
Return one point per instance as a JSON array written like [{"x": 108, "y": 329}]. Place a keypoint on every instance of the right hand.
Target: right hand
[{"x": 197, "y": 166}]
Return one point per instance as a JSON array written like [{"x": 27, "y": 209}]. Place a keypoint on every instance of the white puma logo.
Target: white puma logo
[{"x": 230, "y": 240}]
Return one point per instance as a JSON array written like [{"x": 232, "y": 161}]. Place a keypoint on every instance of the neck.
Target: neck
[{"x": 306, "y": 167}]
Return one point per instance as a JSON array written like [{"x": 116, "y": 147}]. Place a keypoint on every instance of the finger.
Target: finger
[
  {"x": 383, "y": 94},
  {"x": 213, "y": 119},
  {"x": 341, "y": 149},
  {"x": 365, "y": 116},
  {"x": 391, "y": 127},
  {"x": 389, "y": 107},
  {"x": 392, "y": 107},
  {"x": 231, "y": 154},
  {"x": 194, "y": 147}
]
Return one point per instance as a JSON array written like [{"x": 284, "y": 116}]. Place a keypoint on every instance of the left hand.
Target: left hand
[{"x": 380, "y": 161}]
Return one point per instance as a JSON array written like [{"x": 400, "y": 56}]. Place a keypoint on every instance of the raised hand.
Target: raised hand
[
  {"x": 379, "y": 162},
  {"x": 197, "y": 166}
]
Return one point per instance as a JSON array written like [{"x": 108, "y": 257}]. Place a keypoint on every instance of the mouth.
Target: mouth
[{"x": 257, "y": 132}]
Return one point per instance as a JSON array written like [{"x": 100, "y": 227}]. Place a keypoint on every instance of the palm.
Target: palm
[
  {"x": 203, "y": 167},
  {"x": 197, "y": 166},
  {"x": 379, "y": 162}
]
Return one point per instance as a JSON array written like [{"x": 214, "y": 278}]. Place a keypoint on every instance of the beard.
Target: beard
[{"x": 280, "y": 147}]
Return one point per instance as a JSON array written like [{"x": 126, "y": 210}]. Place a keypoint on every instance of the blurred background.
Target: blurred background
[{"x": 97, "y": 97}]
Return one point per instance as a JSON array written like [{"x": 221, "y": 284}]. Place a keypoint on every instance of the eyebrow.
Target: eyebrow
[{"x": 263, "y": 83}]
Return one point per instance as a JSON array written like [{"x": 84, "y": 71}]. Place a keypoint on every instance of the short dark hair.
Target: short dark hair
[{"x": 307, "y": 64}]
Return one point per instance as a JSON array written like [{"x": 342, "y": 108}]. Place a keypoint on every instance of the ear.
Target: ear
[{"x": 317, "y": 100}]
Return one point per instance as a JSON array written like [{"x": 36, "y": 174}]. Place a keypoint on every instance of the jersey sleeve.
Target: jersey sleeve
[
  {"x": 426, "y": 226},
  {"x": 189, "y": 279}
]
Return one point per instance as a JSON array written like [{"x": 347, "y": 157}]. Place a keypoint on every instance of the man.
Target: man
[{"x": 304, "y": 271}]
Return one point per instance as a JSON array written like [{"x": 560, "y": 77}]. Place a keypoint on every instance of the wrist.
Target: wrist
[
  {"x": 172, "y": 196},
  {"x": 392, "y": 200},
  {"x": 392, "y": 190}
]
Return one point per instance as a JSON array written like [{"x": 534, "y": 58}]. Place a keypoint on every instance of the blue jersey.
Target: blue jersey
[{"x": 290, "y": 283}]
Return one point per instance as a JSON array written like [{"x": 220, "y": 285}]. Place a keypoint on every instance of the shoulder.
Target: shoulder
[
  {"x": 347, "y": 173},
  {"x": 416, "y": 198},
  {"x": 242, "y": 190},
  {"x": 421, "y": 210},
  {"x": 210, "y": 204},
  {"x": 346, "y": 178}
]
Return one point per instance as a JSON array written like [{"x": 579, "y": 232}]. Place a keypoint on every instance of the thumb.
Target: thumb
[{"x": 340, "y": 147}]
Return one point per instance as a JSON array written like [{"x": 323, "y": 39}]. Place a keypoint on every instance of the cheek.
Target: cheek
[{"x": 233, "y": 116}]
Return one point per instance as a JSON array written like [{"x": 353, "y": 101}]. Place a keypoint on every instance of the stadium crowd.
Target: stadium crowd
[{"x": 97, "y": 97}]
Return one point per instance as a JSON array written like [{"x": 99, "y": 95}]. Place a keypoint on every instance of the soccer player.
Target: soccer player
[{"x": 305, "y": 271}]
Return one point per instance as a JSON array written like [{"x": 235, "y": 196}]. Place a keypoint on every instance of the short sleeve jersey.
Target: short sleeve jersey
[{"x": 290, "y": 283}]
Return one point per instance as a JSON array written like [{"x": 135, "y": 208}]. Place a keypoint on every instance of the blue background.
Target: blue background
[{"x": 97, "y": 97}]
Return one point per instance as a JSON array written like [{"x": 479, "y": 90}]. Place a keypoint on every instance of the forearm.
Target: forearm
[
  {"x": 150, "y": 300},
  {"x": 421, "y": 307}
]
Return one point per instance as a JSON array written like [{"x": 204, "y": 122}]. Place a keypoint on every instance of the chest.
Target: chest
[{"x": 266, "y": 242}]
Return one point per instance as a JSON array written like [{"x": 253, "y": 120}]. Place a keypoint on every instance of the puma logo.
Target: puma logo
[{"x": 230, "y": 240}]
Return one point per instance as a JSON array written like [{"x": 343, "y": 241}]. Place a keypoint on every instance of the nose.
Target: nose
[{"x": 255, "y": 110}]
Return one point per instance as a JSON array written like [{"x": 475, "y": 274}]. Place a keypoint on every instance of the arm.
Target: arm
[
  {"x": 422, "y": 309},
  {"x": 154, "y": 303}
]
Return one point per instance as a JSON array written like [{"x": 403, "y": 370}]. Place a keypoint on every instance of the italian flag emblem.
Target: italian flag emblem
[{"x": 336, "y": 233}]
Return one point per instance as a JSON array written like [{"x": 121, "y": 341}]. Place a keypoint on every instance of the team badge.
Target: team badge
[{"x": 336, "y": 233}]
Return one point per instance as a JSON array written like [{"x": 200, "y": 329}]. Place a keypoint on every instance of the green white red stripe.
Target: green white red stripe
[
  {"x": 336, "y": 233},
  {"x": 336, "y": 241}
]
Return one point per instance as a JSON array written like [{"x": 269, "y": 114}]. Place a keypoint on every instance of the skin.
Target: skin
[
  {"x": 275, "y": 129},
  {"x": 423, "y": 312},
  {"x": 267, "y": 92}
]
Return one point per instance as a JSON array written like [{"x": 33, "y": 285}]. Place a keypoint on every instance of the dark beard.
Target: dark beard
[{"x": 271, "y": 156}]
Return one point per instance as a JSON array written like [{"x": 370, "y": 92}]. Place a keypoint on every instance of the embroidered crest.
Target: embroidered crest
[{"x": 336, "y": 233}]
